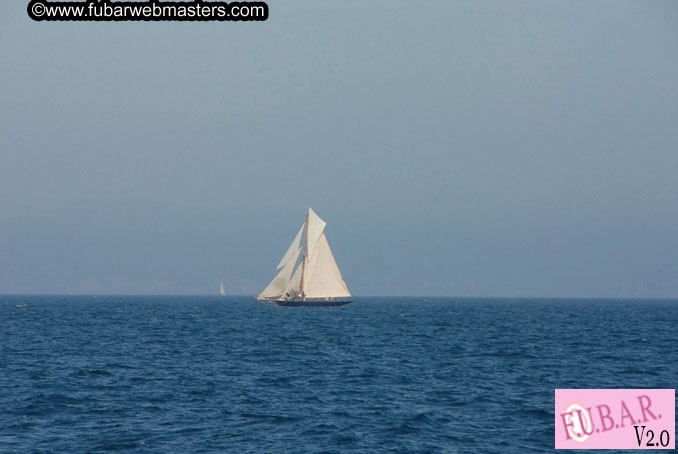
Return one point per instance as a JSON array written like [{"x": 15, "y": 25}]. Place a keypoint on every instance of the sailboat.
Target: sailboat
[
  {"x": 222, "y": 292},
  {"x": 308, "y": 275}
]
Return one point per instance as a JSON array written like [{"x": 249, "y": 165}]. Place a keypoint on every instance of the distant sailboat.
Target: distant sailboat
[
  {"x": 222, "y": 292},
  {"x": 317, "y": 280}
]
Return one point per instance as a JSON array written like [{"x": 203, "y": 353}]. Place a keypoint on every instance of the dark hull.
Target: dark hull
[{"x": 310, "y": 303}]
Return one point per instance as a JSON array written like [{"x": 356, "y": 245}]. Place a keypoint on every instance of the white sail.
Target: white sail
[
  {"x": 316, "y": 226},
  {"x": 294, "y": 249},
  {"x": 279, "y": 283},
  {"x": 294, "y": 286},
  {"x": 312, "y": 279},
  {"x": 221, "y": 290},
  {"x": 323, "y": 278}
]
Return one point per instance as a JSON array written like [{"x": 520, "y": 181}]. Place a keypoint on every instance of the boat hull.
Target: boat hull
[{"x": 312, "y": 303}]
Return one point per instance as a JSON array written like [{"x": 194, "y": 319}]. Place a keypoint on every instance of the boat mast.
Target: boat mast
[{"x": 303, "y": 260}]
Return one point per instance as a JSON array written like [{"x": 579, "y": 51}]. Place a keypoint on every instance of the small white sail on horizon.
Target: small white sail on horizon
[
  {"x": 222, "y": 292},
  {"x": 316, "y": 276}
]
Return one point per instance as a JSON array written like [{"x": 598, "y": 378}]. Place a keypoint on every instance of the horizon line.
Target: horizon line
[{"x": 209, "y": 295}]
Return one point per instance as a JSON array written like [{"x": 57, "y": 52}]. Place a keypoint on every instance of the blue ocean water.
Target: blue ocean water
[{"x": 129, "y": 374}]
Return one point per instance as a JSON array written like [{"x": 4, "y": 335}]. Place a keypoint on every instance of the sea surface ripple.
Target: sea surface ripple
[{"x": 86, "y": 374}]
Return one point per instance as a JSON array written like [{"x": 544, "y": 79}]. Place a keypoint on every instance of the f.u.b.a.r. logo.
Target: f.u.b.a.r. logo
[{"x": 583, "y": 422}]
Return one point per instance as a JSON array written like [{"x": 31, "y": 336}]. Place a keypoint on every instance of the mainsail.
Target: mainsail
[
  {"x": 316, "y": 276},
  {"x": 323, "y": 278}
]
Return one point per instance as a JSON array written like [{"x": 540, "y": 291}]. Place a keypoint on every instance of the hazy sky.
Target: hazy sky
[{"x": 475, "y": 148}]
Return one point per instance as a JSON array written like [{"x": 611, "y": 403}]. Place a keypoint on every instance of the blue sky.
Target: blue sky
[{"x": 454, "y": 148}]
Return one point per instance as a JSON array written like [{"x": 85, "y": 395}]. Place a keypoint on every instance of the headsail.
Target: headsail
[
  {"x": 294, "y": 248},
  {"x": 279, "y": 283},
  {"x": 294, "y": 286}
]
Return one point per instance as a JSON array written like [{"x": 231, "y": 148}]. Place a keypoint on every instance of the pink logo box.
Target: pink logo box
[{"x": 605, "y": 418}]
